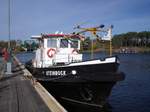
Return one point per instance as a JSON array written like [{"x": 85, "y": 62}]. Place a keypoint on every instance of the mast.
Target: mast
[
  {"x": 110, "y": 42},
  {"x": 110, "y": 54},
  {"x": 93, "y": 31}
]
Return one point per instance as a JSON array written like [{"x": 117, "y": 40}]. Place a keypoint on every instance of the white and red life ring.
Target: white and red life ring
[{"x": 51, "y": 52}]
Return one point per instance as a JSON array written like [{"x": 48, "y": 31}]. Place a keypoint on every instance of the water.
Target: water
[
  {"x": 25, "y": 56},
  {"x": 132, "y": 94}
]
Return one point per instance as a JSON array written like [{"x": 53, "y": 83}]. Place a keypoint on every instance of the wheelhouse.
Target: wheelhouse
[{"x": 57, "y": 49}]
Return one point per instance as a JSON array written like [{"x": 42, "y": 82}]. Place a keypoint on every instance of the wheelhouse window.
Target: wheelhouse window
[
  {"x": 63, "y": 43},
  {"x": 74, "y": 43},
  {"x": 52, "y": 42}
]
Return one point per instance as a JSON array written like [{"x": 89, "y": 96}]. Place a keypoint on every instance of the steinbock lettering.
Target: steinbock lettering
[{"x": 55, "y": 73}]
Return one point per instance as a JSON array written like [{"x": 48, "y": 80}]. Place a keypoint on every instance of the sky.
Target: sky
[{"x": 33, "y": 17}]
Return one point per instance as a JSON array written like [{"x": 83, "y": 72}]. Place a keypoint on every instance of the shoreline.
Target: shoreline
[{"x": 122, "y": 50}]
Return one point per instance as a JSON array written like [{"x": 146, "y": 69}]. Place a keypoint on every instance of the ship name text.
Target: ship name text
[{"x": 55, "y": 73}]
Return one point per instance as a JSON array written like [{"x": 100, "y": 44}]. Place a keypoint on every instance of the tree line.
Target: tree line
[
  {"x": 132, "y": 39},
  {"x": 129, "y": 39},
  {"x": 19, "y": 45}
]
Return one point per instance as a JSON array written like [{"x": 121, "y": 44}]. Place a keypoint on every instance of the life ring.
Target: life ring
[
  {"x": 51, "y": 52},
  {"x": 75, "y": 51}
]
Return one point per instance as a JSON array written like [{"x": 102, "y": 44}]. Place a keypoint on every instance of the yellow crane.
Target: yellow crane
[{"x": 93, "y": 31}]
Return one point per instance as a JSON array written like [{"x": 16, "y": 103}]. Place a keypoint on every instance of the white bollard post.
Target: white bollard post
[{"x": 8, "y": 71}]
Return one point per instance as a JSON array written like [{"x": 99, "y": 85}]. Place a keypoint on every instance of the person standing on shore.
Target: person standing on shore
[{"x": 5, "y": 55}]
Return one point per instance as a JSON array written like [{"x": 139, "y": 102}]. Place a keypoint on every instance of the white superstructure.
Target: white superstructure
[{"x": 57, "y": 49}]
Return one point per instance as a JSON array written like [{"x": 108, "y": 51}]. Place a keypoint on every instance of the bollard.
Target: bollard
[{"x": 8, "y": 70}]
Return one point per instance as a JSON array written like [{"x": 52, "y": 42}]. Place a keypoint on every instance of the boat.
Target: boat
[{"x": 60, "y": 67}]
